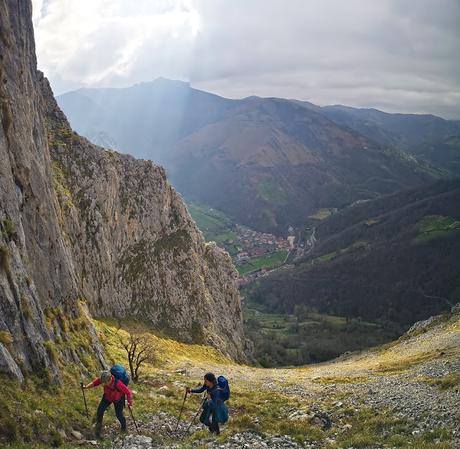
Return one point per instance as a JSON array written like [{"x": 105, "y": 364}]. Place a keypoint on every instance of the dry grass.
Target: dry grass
[
  {"x": 403, "y": 363},
  {"x": 340, "y": 380}
]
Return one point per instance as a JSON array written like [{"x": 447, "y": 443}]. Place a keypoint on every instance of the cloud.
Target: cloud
[{"x": 393, "y": 54}]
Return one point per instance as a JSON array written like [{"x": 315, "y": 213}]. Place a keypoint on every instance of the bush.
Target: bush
[
  {"x": 56, "y": 439},
  {"x": 9, "y": 229},
  {"x": 6, "y": 338},
  {"x": 51, "y": 350},
  {"x": 25, "y": 308},
  {"x": 4, "y": 258}
]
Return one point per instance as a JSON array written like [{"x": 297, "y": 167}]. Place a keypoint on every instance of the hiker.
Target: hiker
[
  {"x": 114, "y": 393},
  {"x": 214, "y": 409}
]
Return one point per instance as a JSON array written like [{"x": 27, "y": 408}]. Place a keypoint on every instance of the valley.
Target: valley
[
  {"x": 252, "y": 252},
  {"x": 339, "y": 261}
]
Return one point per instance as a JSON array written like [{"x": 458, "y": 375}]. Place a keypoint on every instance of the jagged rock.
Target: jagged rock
[
  {"x": 8, "y": 365},
  {"x": 81, "y": 223},
  {"x": 422, "y": 325},
  {"x": 322, "y": 419},
  {"x": 455, "y": 308}
]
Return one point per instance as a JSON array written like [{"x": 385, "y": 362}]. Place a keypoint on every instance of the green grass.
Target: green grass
[
  {"x": 272, "y": 193},
  {"x": 34, "y": 415},
  {"x": 436, "y": 226},
  {"x": 356, "y": 246},
  {"x": 271, "y": 260},
  {"x": 322, "y": 214},
  {"x": 214, "y": 225},
  {"x": 370, "y": 429},
  {"x": 6, "y": 338},
  {"x": 451, "y": 380},
  {"x": 9, "y": 228},
  {"x": 4, "y": 257},
  {"x": 270, "y": 321}
]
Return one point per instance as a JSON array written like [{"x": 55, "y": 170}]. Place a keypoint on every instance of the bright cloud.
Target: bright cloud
[{"x": 393, "y": 54}]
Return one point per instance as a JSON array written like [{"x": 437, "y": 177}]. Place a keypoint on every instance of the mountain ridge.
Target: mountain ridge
[{"x": 242, "y": 156}]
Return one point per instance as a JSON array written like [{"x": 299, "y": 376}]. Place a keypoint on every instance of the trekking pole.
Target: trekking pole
[
  {"x": 84, "y": 398},
  {"x": 181, "y": 410},
  {"x": 132, "y": 416},
  {"x": 196, "y": 414}
]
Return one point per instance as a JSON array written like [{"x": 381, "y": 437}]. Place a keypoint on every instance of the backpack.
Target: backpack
[
  {"x": 224, "y": 388},
  {"x": 120, "y": 373}
]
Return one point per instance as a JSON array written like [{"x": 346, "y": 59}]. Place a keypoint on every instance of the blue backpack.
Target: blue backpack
[
  {"x": 120, "y": 373},
  {"x": 224, "y": 388}
]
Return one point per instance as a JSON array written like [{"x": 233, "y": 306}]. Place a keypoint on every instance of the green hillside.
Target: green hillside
[
  {"x": 215, "y": 226},
  {"x": 268, "y": 261},
  {"x": 391, "y": 261}
]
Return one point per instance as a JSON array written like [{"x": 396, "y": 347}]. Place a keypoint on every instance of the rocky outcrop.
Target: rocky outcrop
[
  {"x": 82, "y": 225},
  {"x": 135, "y": 248}
]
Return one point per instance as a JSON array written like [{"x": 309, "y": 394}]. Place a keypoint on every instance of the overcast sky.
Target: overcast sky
[{"x": 396, "y": 55}]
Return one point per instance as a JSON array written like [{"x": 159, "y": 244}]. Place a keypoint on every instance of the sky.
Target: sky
[{"x": 395, "y": 55}]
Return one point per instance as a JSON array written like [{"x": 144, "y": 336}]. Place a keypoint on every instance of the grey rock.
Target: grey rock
[
  {"x": 76, "y": 434},
  {"x": 94, "y": 225}
]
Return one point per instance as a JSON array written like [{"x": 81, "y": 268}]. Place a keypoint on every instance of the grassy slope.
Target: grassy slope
[
  {"x": 260, "y": 396},
  {"x": 214, "y": 224},
  {"x": 271, "y": 260}
]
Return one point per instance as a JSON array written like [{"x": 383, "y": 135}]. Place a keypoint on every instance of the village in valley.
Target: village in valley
[
  {"x": 252, "y": 243},
  {"x": 254, "y": 253}
]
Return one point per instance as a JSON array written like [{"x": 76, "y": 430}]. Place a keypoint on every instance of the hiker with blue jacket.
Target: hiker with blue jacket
[{"x": 214, "y": 409}]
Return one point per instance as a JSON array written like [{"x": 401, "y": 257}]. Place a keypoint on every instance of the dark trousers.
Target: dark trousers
[
  {"x": 119, "y": 406},
  {"x": 214, "y": 424},
  {"x": 209, "y": 418}
]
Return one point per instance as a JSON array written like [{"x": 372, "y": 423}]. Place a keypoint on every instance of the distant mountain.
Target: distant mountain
[
  {"x": 146, "y": 119},
  {"x": 391, "y": 259},
  {"x": 404, "y": 131},
  {"x": 271, "y": 163},
  {"x": 266, "y": 162},
  {"x": 444, "y": 153}
]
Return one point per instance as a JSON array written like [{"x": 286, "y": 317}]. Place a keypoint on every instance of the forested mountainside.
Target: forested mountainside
[{"x": 391, "y": 259}]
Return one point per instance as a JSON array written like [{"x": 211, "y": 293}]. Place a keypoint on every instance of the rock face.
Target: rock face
[{"x": 80, "y": 224}]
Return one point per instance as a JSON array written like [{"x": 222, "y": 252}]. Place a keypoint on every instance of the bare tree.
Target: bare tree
[{"x": 139, "y": 349}]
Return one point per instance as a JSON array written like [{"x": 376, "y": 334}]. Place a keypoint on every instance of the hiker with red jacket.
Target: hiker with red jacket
[{"x": 114, "y": 393}]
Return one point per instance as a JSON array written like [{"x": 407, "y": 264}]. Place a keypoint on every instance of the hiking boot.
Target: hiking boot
[{"x": 98, "y": 431}]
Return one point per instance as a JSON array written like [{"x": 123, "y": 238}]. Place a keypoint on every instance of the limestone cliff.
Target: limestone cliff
[{"x": 82, "y": 225}]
